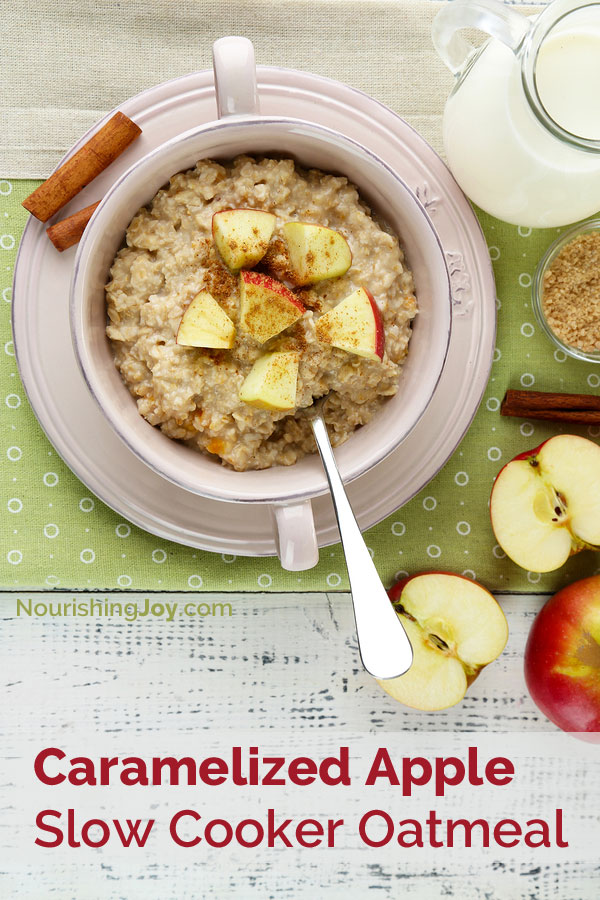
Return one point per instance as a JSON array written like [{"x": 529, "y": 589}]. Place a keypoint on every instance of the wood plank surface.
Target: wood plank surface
[
  {"x": 284, "y": 670},
  {"x": 286, "y": 660}
]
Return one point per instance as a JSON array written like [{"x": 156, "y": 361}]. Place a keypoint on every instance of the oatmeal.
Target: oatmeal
[{"x": 170, "y": 261}]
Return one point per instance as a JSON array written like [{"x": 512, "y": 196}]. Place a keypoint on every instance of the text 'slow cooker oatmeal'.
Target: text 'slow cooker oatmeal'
[{"x": 193, "y": 394}]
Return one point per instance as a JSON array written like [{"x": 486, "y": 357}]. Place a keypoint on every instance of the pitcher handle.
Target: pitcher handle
[
  {"x": 235, "y": 77},
  {"x": 491, "y": 16}
]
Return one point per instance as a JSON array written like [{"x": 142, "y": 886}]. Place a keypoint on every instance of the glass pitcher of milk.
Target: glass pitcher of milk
[{"x": 522, "y": 125}]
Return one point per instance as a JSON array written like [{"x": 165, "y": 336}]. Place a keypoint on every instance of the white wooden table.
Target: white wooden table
[{"x": 281, "y": 670}]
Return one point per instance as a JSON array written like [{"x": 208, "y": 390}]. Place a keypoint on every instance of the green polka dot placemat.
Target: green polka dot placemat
[{"x": 56, "y": 535}]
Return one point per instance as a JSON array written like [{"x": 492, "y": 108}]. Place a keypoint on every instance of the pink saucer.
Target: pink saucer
[{"x": 86, "y": 442}]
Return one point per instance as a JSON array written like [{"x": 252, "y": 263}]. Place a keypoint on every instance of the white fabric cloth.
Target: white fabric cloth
[{"x": 65, "y": 64}]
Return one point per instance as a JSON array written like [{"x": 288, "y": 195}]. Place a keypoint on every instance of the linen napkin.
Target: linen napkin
[{"x": 66, "y": 64}]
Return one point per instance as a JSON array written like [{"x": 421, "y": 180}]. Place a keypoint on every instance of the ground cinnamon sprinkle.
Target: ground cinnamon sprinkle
[
  {"x": 276, "y": 261},
  {"x": 218, "y": 279},
  {"x": 571, "y": 293}
]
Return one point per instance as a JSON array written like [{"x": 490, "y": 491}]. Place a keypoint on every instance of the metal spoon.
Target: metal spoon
[{"x": 383, "y": 643}]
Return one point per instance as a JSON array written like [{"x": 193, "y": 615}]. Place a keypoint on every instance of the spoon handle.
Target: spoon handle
[{"x": 384, "y": 646}]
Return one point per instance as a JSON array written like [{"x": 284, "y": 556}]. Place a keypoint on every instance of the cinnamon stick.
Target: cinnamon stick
[
  {"x": 582, "y": 409},
  {"x": 98, "y": 153},
  {"x": 68, "y": 231}
]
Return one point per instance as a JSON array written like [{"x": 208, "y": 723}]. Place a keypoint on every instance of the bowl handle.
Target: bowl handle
[
  {"x": 235, "y": 77},
  {"x": 295, "y": 536}
]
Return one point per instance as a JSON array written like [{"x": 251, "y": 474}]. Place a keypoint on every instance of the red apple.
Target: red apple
[
  {"x": 562, "y": 659},
  {"x": 455, "y": 627},
  {"x": 267, "y": 307},
  {"x": 354, "y": 325},
  {"x": 545, "y": 504}
]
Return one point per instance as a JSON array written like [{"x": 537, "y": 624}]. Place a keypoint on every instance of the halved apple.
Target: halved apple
[
  {"x": 266, "y": 306},
  {"x": 242, "y": 236},
  {"x": 455, "y": 626},
  {"x": 354, "y": 325},
  {"x": 205, "y": 324},
  {"x": 545, "y": 504},
  {"x": 316, "y": 252},
  {"x": 271, "y": 382}
]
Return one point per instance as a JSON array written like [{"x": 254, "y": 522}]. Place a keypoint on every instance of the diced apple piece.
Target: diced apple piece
[
  {"x": 205, "y": 324},
  {"x": 271, "y": 382},
  {"x": 316, "y": 252},
  {"x": 266, "y": 306},
  {"x": 456, "y": 627},
  {"x": 545, "y": 504},
  {"x": 242, "y": 236},
  {"x": 354, "y": 325}
]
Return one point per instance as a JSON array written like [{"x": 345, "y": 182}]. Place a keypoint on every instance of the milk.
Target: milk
[
  {"x": 568, "y": 81},
  {"x": 502, "y": 156}
]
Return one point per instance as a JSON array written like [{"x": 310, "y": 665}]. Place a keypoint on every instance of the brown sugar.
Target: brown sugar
[
  {"x": 218, "y": 279},
  {"x": 571, "y": 293},
  {"x": 277, "y": 262}
]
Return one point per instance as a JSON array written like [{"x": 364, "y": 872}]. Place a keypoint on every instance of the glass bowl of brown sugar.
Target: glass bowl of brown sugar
[{"x": 566, "y": 291}]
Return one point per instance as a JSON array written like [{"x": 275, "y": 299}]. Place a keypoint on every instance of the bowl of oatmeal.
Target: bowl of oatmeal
[{"x": 150, "y": 254}]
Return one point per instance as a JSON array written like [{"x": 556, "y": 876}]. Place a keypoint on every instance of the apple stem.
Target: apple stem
[{"x": 400, "y": 609}]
